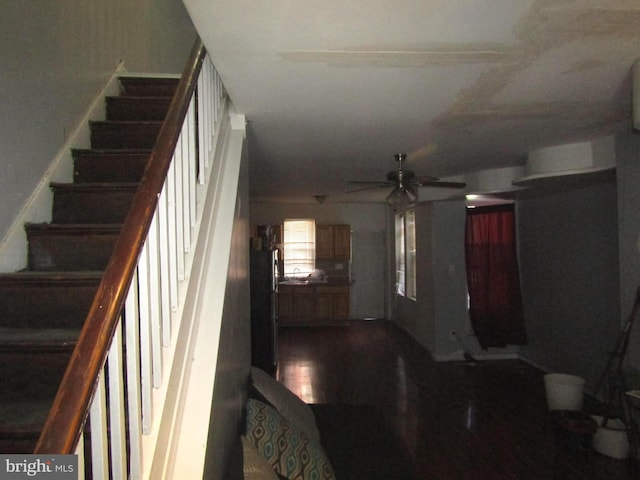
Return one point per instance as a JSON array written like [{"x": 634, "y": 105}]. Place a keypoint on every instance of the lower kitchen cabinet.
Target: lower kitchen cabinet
[
  {"x": 304, "y": 306},
  {"x": 313, "y": 305},
  {"x": 332, "y": 304}
]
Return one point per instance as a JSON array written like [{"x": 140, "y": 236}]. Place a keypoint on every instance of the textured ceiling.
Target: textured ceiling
[{"x": 332, "y": 89}]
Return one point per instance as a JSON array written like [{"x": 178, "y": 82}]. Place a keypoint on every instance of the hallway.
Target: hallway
[{"x": 460, "y": 420}]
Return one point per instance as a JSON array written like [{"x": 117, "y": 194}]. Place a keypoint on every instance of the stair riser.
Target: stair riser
[
  {"x": 61, "y": 252},
  {"x": 18, "y": 444},
  {"x": 31, "y": 375},
  {"x": 108, "y": 167},
  {"x": 152, "y": 87},
  {"x": 125, "y": 135},
  {"x": 42, "y": 306},
  {"x": 91, "y": 206},
  {"x": 136, "y": 108}
]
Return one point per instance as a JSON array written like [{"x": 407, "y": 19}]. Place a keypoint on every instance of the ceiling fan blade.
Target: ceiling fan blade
[
  {"x": 426, "y": 178},
  {"x": 370, "y": 187},
  {"x": 443, "y": 184},
  {"x": 368, "y": 182}
]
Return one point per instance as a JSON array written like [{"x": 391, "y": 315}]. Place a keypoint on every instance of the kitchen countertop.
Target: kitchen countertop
[{"x": 329, "y": 282}]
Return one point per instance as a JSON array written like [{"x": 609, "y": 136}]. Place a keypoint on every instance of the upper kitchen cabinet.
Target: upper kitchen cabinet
[{"x": 333, "y": 242}]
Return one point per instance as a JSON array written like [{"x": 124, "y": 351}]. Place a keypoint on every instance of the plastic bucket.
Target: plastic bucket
[
  {"x": 564, "y": 392},
  {"x": 611, "y": 439}
]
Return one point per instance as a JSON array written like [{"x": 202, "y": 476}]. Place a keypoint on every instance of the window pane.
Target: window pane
[
  {"x": 299, "y": 247},
  {"x": 400, "y": 254},
  {"x": 410, "y": 256}
]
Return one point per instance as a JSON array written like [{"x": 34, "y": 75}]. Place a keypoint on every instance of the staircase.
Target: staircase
[{"x": 42, "y": 308}]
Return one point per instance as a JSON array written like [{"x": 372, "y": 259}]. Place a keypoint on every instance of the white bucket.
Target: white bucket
[
  {"x": 564, "y": 392},
  {"x": 611, "y": 440}
]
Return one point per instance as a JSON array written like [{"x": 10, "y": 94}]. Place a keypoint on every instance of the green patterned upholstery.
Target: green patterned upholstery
[
  {"x": 287, "y": 449},
  {"x": 254, "y": 465}
]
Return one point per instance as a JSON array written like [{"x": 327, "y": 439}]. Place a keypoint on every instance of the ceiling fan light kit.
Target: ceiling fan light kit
[
  {"x": 405, "y": 185},
  {"x": 402, "y": 197}
]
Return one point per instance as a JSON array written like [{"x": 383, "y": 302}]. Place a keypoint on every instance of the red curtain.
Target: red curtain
[{"x": 495, "y": 301}]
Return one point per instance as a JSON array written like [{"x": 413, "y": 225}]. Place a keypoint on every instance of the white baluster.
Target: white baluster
[
  {"x": 165, "y": 267},
  {"x": 132, "y": 342},
  {"x": 80, "y": 453},
  {"x": 155, "y": 313},
  {"x": 117, "y": 435},
  {"x": 146, "y": 364},
  {"x": 188, "y": 176},
  {"x": 99, "y": 441},
  {"x": 171, "y": 230},
  {"x": 179, "y": 195}
]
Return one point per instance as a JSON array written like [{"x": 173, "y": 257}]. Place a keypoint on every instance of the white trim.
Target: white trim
[{"x": 180, "y": 438}]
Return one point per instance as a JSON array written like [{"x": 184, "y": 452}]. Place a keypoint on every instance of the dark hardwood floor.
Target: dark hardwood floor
[{"x": 461, "y": 420}]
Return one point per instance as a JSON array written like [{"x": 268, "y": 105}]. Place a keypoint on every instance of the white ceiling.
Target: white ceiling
[{"x": 332, "y": 89}]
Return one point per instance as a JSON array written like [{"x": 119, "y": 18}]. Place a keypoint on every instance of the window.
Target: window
[
  {"x": 400, "y": 255},
  {"x": 410, "y": 249},
  {"x": 405, "y": 229},
  {"x": 299, "y": 247}
]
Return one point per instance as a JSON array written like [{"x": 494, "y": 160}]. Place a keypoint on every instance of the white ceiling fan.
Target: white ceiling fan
[{"x": 404, "y": 182}]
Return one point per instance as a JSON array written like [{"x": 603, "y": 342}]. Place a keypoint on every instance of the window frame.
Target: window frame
[
  {"x": 299, "y": 251},
  {"x": 406, "y": 251}
]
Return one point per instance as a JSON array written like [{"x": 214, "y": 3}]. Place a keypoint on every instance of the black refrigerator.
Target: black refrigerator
[{"x": 264, "y": 328}]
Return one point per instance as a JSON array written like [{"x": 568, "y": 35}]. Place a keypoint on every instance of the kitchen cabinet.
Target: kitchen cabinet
[
  {"x": 304, "y": 305},
  {"x": 313, "y": 305},
  {"x": 333, "y": 242},
  {"x": 296, "y": 305},
  {"x": 285, "y": 304},
  {"x": 332, "y": 303}
]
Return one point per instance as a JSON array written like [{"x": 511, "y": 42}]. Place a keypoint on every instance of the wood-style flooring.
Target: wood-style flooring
[{"x": 456, "y": 420}]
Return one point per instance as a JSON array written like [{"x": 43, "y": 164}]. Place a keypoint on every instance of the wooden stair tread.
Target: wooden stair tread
[
  {"x": 39, "y": 278},
  {"x": 24, "y": 417},
  {"x": 75, "y": 227},
  {"x": 126, "y": 98},
  {"x": 139, "y": 86},
  {"x": 126, "y": 123},
  {"x": 97, "y": 186},
  {"x": 110, "y": 152},
  {"x": 38, "y": 338}
]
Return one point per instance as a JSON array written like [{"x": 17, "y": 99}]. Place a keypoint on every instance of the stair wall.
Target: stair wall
[{"x": 38, "y": 207}]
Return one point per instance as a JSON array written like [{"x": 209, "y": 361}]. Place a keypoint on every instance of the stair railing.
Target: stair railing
[{"x": 108, "y": 399}]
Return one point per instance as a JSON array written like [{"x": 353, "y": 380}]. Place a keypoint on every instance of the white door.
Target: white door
[{"x": 367, "y": 271}]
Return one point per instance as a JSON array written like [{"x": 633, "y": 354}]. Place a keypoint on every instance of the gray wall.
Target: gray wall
[
  {"x": 56, "y": 57},
  {"x": 450, "y": 279},
  {"x": 568, "y": 247},
  {"x": 569, "y": 269},
  {"x": 628, "y": 177}
]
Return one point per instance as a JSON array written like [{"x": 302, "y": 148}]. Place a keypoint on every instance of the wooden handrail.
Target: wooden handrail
[{"x": 70, "y": 408}]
